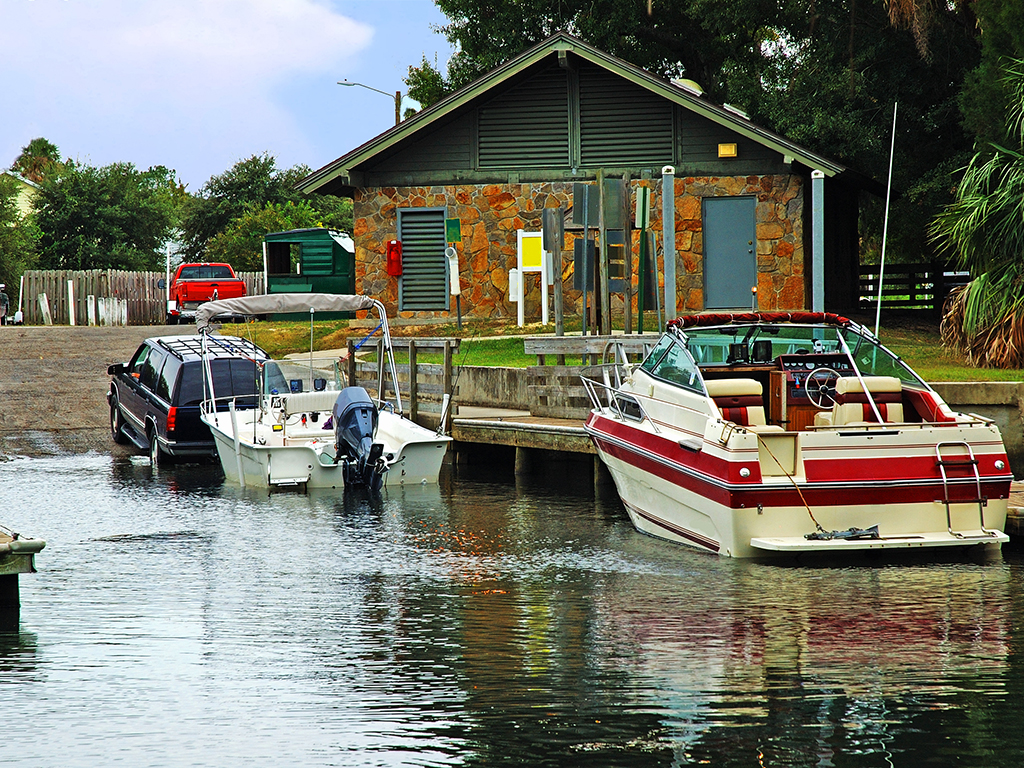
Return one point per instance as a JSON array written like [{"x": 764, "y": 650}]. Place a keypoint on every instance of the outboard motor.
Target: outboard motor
[{"x": 355, "y": 424}]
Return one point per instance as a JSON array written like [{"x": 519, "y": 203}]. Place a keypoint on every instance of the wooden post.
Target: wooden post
[
  {"x": 414, "y": 407},
  {"x": 10, "y": 603},
  {"x": 446, "y": 386},
  {"x": 351, "y": 362},
  {"x": 627, "y": 256},
  {"x": 604, "y": 315}
]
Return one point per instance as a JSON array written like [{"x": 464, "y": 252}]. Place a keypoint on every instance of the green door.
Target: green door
[{"x": 730, "y": 252}]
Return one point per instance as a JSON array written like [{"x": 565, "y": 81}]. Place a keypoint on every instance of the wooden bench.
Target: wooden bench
[{"x": 592, "y": 347}]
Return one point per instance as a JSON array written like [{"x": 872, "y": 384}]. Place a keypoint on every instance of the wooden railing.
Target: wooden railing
[
  {"x": 557, "y": 391},
  {"x": 423, "y": 384},
  {"x": 908, "y": 286}
]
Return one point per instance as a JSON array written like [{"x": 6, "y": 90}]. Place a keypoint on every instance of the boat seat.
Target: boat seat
[
  {"x": 740, "y": 401},
  {"x": 852, "y": 407},
  {"x": 308, "y": 402}
]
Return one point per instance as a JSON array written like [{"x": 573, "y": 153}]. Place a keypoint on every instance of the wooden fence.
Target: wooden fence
[
  {"x": 146, "y": 300},
  {"x": 908, "y": 286}
]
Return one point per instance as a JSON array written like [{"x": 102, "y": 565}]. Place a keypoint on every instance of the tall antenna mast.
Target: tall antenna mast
[{"x": 885, "y": 226}]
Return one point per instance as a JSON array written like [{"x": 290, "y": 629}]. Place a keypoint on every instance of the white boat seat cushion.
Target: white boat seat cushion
[
  {"x": 852, "y": 404},
  {"x": 739, "y": 400},
  {"x": 308, "y": 402}
]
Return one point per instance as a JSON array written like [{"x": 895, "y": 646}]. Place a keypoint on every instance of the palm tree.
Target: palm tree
[
  {"x": 983, "y": 232},
  {"x": 37, "y": 159}
]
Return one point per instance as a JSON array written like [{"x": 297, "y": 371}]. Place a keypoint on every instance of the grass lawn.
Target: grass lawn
[{"x": 498, "y": 343}]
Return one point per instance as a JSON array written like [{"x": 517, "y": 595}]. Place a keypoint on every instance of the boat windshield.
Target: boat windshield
[
  {"x": 670, "y": 361},
  {"x": 763, "y": 343},
  {"x": 291, "y": 376}
]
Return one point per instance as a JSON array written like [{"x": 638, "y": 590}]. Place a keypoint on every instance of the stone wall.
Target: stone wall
[{"x": 491, "y": 214}]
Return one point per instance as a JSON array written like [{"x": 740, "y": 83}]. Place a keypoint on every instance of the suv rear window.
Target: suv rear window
[{"x": 231, "y": 378}]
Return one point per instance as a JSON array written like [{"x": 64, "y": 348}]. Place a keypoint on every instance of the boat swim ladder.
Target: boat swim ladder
[{"x": 964, "y": 462}]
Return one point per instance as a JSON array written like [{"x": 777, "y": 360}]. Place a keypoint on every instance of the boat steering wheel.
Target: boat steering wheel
[{"x": 821, "y": 387}]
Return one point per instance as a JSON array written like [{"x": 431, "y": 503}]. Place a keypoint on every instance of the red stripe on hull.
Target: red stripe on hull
[{"x": 703, "y": 475}]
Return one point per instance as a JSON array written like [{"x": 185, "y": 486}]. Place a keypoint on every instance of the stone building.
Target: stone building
[{"x": 750, "y": 207}]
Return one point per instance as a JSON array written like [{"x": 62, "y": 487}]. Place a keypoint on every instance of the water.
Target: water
[{"x": 176, "y": 621}]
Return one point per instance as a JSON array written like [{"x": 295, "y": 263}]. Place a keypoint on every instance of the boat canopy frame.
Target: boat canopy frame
[{"x": 274, "y": 303}]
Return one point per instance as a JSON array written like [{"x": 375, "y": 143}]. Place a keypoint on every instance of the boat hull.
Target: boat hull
[
  {"x": 300, "y": 461},
  {"x": 698, "y": 495}
]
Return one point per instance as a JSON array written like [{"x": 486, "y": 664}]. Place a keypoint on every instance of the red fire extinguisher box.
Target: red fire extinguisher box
[{"x": 394, "y": 258}]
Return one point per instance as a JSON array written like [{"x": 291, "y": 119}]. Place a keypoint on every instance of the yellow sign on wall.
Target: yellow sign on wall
[{"x": 533, "y": 253}]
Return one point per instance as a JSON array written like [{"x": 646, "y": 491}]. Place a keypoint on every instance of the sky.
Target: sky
[{"x": 197, "y": 85}]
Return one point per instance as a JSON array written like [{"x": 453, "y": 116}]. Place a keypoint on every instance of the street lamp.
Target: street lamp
[{"x": 397, "y": 97}]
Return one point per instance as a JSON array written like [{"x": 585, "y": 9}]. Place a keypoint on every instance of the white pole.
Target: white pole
[
  {"x": 885, "y": 226},
  {"x": 668, "y": 232},
  {"x": 71, "y": 302}
]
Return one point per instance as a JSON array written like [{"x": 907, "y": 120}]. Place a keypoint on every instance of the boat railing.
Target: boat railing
[
  {"x": 223, "y": 404},
  {"x": 603, "y": 384},
  {"x": 971, "y": 420}
]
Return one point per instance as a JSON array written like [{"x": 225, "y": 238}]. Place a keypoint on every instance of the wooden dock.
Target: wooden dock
[
  {"x": 17, "y": 556},
  {"x": 1015, "y": 510}
]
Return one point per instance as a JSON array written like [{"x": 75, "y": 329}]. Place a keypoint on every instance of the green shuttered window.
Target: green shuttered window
[{"x": 424, "y": 282}]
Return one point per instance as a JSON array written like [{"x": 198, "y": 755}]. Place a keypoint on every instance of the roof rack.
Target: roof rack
[{"x": 217, "y": 346}]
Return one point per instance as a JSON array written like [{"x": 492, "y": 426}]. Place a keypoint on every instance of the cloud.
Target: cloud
[{"x": 166, "y": 74}]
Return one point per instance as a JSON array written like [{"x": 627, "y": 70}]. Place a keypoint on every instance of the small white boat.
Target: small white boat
[
  {"x": 309, "y": 430},
  {"x": 761, "y": 434}
]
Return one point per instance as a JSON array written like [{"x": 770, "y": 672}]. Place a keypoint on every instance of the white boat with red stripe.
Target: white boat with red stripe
[{"x": 762, "y": 434}]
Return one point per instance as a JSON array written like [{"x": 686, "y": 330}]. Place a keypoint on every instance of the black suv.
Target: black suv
[{"x": 154, "y": 399}]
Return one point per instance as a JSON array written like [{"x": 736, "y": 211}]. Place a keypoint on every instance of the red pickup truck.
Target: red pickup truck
[{"x": 194, "y": 284}]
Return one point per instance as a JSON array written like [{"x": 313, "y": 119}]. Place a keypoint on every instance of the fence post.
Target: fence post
[
  {"x": 446, "y": 386},
  {"x": 939, "y": 281},
  {"x": 44, "y": 309},
  {"x": 413, "y": 389},
  {"x": 351, "y": 373}
]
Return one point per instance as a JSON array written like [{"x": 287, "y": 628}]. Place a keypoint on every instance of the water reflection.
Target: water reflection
[{"x": 486, "y": 621}]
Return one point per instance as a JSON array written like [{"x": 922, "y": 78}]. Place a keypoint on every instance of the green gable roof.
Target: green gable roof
[{"x": 559, "y": 50}]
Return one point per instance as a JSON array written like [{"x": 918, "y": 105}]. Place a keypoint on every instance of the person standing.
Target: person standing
[{"x": 5, "y": 304}]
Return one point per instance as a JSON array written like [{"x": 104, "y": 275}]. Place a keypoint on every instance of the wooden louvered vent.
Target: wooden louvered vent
[
  {"x": 424, "y": 283},
  {"x": 620, "y": 122},
  {"x": 528, "y": 125}
]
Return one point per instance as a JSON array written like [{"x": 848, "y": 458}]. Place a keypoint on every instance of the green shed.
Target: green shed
[{"x": 313, "y": 260}]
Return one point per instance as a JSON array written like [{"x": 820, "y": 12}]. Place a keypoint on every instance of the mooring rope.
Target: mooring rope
[{"x": 807, "y": 506}]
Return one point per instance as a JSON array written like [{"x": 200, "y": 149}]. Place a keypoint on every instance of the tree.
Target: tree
[
  {"x": 17, "y": 237},
  {"x": 426, "y": 84},
  {"x": 987, "y": 97},
  {"x": 983, "y": 230},
  {"x": 253, "y": 184},
  {"x": 241, "y": 243},
  {"x": 824, "y": 74},
  {"x": 255, "y": 181},
  {"x": 38, "y": 158},
  {"x": 114, "y": 217}
]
